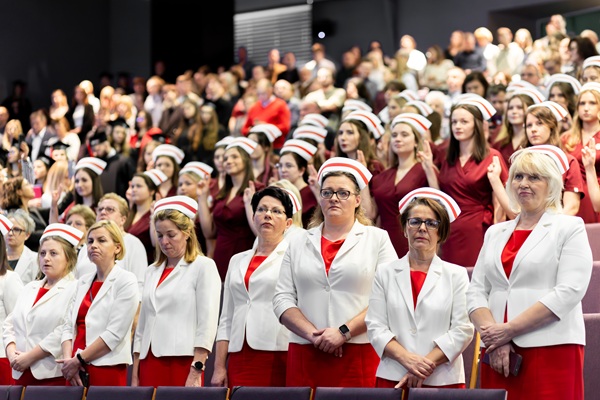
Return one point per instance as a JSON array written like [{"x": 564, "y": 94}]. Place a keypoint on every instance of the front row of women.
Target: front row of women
[{"x": 352, "y": 312}]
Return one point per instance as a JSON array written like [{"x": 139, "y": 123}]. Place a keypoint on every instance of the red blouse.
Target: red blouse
[
  {"x": 80, "y": 342},
  {"x": 164, "y": 275},
  {"x": 40, "y": 294},
  {"x": 329, "y": 250},
  {"x": 254, "y": 263},
  {"x": 417, "y": 279}
]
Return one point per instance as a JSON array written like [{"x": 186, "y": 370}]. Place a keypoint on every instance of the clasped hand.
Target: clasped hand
[
  {"x": 495, "y": 335},
  {"x": 329, "y": 340}
]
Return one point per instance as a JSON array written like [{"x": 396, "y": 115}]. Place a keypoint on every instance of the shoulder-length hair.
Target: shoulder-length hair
[
  {"x": 364, "y": 141},
  {"x": 545, "y": 115},
  {"x": 114, "y": 232},
  {"x": 185, "y": 225},
  {"x": 152, "y": 188},
  {"x": 480, "y": 148},
  {"x": 248, "y": 175},
  {"x": 575, "y": 137},
  {"x": 97, "y": 191},
  {"x": 506, "y": 134},
  {"x": 439, "y": 211}
]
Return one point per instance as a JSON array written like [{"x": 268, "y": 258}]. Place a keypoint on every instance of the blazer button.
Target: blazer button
[
  {"x": 247, "y": 301},
  {"x": 327, "y": 288},
  {"x": 413, "y": 331}
]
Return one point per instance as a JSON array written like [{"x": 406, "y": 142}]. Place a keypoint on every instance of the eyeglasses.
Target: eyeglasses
[
  {"x": 430, "y": 224},
  {"x": 341, "y": 194},
  {"x": 16, "y": 231},
  {"x": 274, "y": 211},
  {"x": 109, "y": 210}
]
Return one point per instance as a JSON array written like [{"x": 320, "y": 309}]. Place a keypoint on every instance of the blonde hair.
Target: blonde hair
[
  {"x": 70, "y": 252},
  {"x": 122, "y": 203},
  {"x": 534, "y": 163},
  {"x": 88, "y": 215},
  {"x": 285, "y": 184},
  {"x": 114, "y": 232},
  {"x": 56, "y": 176},
  {"x": 574, "y": 138},
  {"x": 185, "y": 225}
]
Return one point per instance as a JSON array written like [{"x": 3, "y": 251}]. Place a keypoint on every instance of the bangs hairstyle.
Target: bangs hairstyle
[
  {"x": 438, "y": 209},
  {"x": 285, "y": 184},
  {"x": 547, "y": 117},
  {"x": 176, "y": 169},
  {"x": 97, "y": 191},
  {"x": 113, "y": 231},
  {"x": 70, "y": 252},
  {"x": 507, "y": 131},
  {"x": 88, "y": 215},
  {"x": 359, "y": 212},
  {"x": 301, "y": 163},
  {"x": 575, "y": 138},
  {"x": 248, "y": 174},
  {"x": 534, "y": 163},
  {"x": 393, "y": 157},
  {"x": 566, "y": 90},
  {"x": 480, "y": 148},
  {"x": 185, "y": 225},
  {"x": 276, "y": 193}
]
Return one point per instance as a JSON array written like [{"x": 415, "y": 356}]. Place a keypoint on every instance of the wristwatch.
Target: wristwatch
[
  {"x": 345, "y": 332},
  {"x": 198, "y": 366},
  {"x": 81, "y": 360}
]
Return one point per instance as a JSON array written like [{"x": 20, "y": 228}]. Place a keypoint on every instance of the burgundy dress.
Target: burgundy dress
[
  {"x": 141, "y": 229},
  {"x": 506, "y": 150},
  {"x": 233, "y": 232},
  {"x": 387, "y": 195},
  {"x": 309, "y": 204},
  {"x": 586, "y": 209},
  {"x": 470, "y": 187}
]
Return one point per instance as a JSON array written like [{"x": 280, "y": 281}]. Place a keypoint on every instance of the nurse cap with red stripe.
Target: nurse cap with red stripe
[
  {"x": 519, "y": 85},
  {"x": 562, "y": 78},
  {"x": 5, "y": 224},
  {"x": 355, "y": 105},
  {"x": 156, "y": 176},
  {"x": 300, "y": 147},
  {"x": 66, "y": 232},
  {"x": 341, "y": 164},
  {"x": 426, "y": 192},
  {"x": 558, "y": 111},
  {"x": 296, "y": 204},
  {"x": 557, "y": 155},
  {"x": 312, "y": 132},
  {"x": 424, "y": 108},
  {"x": 484, "y": 106},
  {"x": 417, "y": 121},
  {"x": 199, "y": 168},
  {"x": 593, "y": 61},
  {"x": 533, "y": 94},
  {"x": 248, "y": 145},
  {"x": 170, "y": 151},
  {"x": 224, "y": 142},
  {"x": 409, "y": 95},
  {"x": 92, "y": 163},
  {"x": 371, "y": 120},
  {"x": 314, "y": 120},
  {"x": 271, "y": 131},
  {"x": 595, "y": 86},
  {"x": 183, "y": 204}
]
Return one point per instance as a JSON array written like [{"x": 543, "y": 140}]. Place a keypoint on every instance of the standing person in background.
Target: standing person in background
[{"x": 81, "y": 115}]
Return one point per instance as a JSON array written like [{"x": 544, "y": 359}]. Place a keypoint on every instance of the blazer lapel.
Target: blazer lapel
[
  {"x": 433, "y": 275},
  {"x": 108, "y": 283},
  {"x": 58, "y": 288},
  {"x": 245, "y": 264},
  {"x": 84, "y": 283},
  {"x": 501, "y": 241},
  {"x": 402, "y": 277},
  {"x": 351, "y": 239},
  {"x": 535, "y": 237}
]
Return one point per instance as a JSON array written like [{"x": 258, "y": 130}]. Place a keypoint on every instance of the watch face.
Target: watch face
[
  {"x": 344, "y": 329},
  {"x": 198, "y": 365}
]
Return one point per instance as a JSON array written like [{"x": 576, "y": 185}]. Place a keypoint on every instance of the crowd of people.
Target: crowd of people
[{"x": 334, "y": 208}]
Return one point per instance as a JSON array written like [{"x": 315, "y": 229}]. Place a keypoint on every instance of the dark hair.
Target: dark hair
[
  {"x": 300, "y": 162},
  {"x": 585, "y": 47},
  {"x": 439, "y": 211},
  {"x": 494, "y": 90},
  {"x": 248, "y": 176},
  {"x": 364, "y": 141},
  {"x": 151, "y": 187},
  {"x": 263, "y": 140},
  {"x": 276, "y": 193},
  {"x": 476, "y": 76},
  {"x": 148, "y": 119},
  {"x": 361, "y": 89},
  {"x": 394, "y": 85},
  {"x": 436, "y": 125},
  {"x": 10, "y": 199},
  {"x": 97, "y": 191},
  {"x": 480, "y": 148},
  {"x": 3, "y": 256},
  {"x": 176, "y": 168},
  {"x": 566, "y": 90}
]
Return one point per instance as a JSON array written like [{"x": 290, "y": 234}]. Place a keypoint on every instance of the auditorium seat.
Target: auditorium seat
[
  {"x": 190, "y": 393},
  {"x": 591, "y": 301},
  {"x": 270, "y": 393},
  {"x": 457, "y": 394},
  {"x": 591, "y": 367},
  {"x": 593, "y": 232},
  {"x": 119, "y": 393},
  {"x": 53, "y": 393},
  {"x": 12, "y": 392},
  {"x": 327, "y": 393}
]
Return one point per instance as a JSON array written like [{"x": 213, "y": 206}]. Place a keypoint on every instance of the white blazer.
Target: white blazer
[
  {"x": 182, "y": 313},
  {"x": 27, "y": 267},
  {"x": 135, "y": 261},
  {"x": 553, "y": 266},
  {"x": 110, "y": 316},
  {"x": 10, "y": 290},
  {"x": 331, "y": 300},
  {"x": 41, "y": 324},
  {"x": 440, "y": 318},
  {"x": 249, "y": 312}
]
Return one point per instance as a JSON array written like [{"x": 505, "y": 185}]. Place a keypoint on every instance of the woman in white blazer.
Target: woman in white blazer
[
  {"x": 21, "y": 259},
  {"x": 32, "y": 332},
  {"x": 180, "y": 303},
  {"x": 97, "y": 331},
  {"x": 323, "y": 289},
  {"x": 10, "y": 289},
  {"x": 249, "y": 332},
  {"x": 417, "y": 319},
  {"x": 526, "y": 290}
]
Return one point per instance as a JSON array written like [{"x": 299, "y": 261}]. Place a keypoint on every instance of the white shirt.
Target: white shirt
[
  {"x": 10, "y": 289},
  {"x": 36, "y": 144},
  {"x": 27, "y": 267}
]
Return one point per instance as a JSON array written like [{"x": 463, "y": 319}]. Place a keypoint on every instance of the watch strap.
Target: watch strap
[{"x": 345, "y": 331}]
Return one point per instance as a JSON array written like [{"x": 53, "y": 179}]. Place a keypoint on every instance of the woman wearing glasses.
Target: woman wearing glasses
[
  {"x": 21, "y": 258},
  {"x": 417, "y": 319},
  {"x": 325, "y": 281}
]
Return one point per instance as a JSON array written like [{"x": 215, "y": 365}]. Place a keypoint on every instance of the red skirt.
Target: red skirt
[
  {"x": 386, "y": 383},
  {"x": 250, "y": 367},
  {"x": 309, "y": 366},
  {"x": 6, "y": 372},
  {"x": 27, "y": 379},
  {"x": 552, "y": 372},
  {"x": 109, "y": 375},
  {"x": 165, "y": 371}
]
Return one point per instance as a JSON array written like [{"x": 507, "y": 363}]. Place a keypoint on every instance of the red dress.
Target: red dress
[
  {"x": 233, "y": 232},
  {"x": 165, "y": 371},
  {"x": 586, "y": 209},
  {"x": 141, "y": 229},
  {"x": 506, "y": 150},
  {"x": 550, "y": 372},
  {"x": 470, "y": 187},
  {"x": 309, "y": 204},
  {"x": 387, "y": 201},
  {"x": 109, "y": 375},
  {"x": 250, "y": 367},
  {"x": 309, "y": 366}
]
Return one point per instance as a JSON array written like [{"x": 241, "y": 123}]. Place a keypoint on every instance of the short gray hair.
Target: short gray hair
[{"x": 22, "y": 218}]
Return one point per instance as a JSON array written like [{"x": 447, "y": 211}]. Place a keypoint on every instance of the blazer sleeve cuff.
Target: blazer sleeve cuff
[
  {"x": 55, "y": 351},
  {"x": 448, "y": 347},
  {"x": 381, "y": 341},
  {"x": 282, "y": 306},
  {"x": 110, "y": 339},
  {"x": 560, "y": 309}
]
